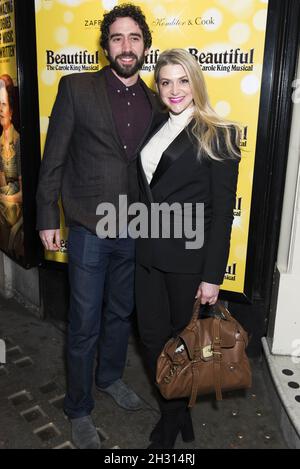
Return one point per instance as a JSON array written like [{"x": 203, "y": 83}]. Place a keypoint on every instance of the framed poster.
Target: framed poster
[
  {"x": 11, "y": 200},
  {"x": 18, "y": 152}
]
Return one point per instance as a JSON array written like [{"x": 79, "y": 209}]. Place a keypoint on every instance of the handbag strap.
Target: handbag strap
[
  {"x": 217, "y": 358},
  {"x": 228, "y": 316},
  {"x": 195, "y": 381},
  {"x": 216, "y": 347}
]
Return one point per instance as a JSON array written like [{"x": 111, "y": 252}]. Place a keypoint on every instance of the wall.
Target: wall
[
  {"x": 286, "y": 315},
  {"x": 19, "y": 283}
]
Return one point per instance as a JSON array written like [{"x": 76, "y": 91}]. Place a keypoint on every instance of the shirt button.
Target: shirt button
[
  {"x": 126, "y": 89},
  {"x": 118, "y": 91},
  {"x": 133, "y": 94},
  {"x": 125, "y": 146},
  {"x": 128, "y": 125},
  {"x": 128, "y": 103}
]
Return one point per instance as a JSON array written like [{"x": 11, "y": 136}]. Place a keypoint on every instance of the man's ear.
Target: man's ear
[{"x": 146, "y": 52}]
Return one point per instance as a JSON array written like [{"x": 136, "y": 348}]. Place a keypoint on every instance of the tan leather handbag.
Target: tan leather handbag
[{"x": 207, "y": 356}]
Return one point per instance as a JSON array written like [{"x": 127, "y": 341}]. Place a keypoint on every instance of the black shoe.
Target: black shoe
[
  {"x": 164, "y": 434},
  {"x": 156, "y": 433},
  {"x": 186, "y": 429}
]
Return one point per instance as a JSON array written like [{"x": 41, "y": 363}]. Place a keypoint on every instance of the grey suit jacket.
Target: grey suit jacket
[{"x": 84, "y": 160}]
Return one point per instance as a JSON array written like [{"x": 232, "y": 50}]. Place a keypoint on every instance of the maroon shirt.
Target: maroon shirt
[{"x": 131, "y": 111}]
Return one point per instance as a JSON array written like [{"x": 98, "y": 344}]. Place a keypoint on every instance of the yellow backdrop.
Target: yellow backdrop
[{"x": 226, "y": 36}]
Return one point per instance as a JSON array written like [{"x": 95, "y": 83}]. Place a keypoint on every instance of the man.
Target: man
[{"x": 97, "y": 124}]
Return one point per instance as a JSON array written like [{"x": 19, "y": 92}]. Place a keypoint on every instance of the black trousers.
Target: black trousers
[{"x": 164, "y": 303}]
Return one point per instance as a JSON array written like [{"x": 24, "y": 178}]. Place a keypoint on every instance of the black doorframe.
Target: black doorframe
[
  {"x": 280, "y": 60},
  {"x": 29, "y": 125}
]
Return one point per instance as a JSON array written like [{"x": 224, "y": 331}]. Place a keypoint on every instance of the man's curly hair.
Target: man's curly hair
[{"x": 123, "y": 11}]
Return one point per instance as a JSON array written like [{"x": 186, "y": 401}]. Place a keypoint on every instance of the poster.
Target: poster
[
  {"x": 226, "y": 37},
  {"x": 11, "y": 201}
]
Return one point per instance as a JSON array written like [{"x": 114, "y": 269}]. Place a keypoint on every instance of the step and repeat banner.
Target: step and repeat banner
[
  {"x": 11, "y": 201},
  {"x": 227, "y": 37}
]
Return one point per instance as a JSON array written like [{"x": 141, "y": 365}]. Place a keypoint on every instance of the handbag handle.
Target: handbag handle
[
  {"x": 218, "y": 304},
  {"x": 225, "y": 314}
]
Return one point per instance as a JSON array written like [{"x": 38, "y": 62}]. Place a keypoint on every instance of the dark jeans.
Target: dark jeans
[{"x": 101, "y": 271}]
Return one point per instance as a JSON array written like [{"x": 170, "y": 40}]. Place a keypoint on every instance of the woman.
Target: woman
[
  {"x": 10, "y": 169},
  {"x": 193, "y": 158}
]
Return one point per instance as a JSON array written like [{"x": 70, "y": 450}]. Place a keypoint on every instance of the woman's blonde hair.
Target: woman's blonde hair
[{"x": 206, "y": 121}]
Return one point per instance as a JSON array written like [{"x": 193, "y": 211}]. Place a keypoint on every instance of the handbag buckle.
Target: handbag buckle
[{"x": 208, "y": 351}]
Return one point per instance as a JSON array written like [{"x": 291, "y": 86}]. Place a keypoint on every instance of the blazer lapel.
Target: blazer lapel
[
  {"x": 104, "y": 104},
  {"x": 144, "y": 180},
  {"x": 157, "y": 123},
  {"x": 170, "y": 155},
  {"x": 103, "y": 101},
  {"x": 158, "y": 117}
]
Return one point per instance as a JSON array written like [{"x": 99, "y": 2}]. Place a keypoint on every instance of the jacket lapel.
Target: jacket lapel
[
  {"x": 103, "y": 101},
  {"x": 104, "y": 104},
  {"x": 144, "y": 181},
  {"x": 171, "y": 155},
  {"x": 157, "y": 123},
  {"x": 158, "y": 117}
]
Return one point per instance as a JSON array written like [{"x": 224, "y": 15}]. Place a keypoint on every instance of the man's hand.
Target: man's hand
[
  {"x": 50, "y": 239},
  {"x": 208, "y": 293}
]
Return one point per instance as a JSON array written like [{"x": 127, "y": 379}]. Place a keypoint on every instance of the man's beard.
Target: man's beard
[{"x": 126, "y": 71}]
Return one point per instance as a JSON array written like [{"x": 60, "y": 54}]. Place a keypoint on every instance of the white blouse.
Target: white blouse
[{"x": 152, "y": 152}]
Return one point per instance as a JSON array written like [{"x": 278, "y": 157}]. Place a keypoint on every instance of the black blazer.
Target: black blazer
[
  {"x": 181, "y": 177},
  {"x": 84, "y": 160}
]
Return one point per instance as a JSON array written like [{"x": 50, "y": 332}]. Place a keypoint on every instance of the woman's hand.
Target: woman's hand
[{"x": 208, "y": 292}]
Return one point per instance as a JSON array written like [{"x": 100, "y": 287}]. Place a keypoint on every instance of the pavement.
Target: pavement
[{"x": 33, "y": 383}]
